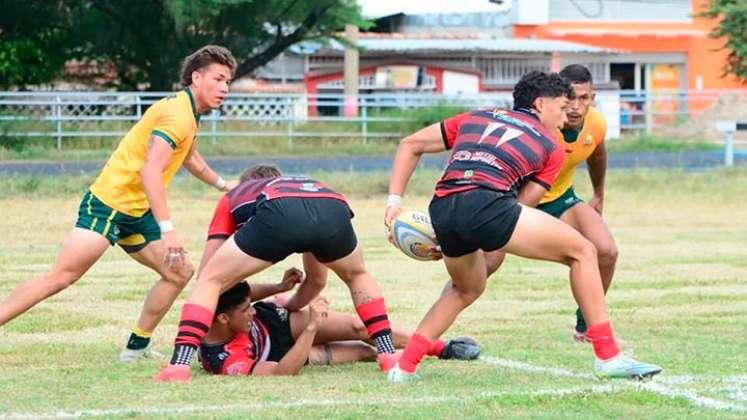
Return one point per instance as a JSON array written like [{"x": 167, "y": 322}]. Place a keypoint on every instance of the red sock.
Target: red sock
[
  {"x": 603, "y": 340},
  {"x": 437, "y": 348},
  {"x": 417, "y": 347},
  {"x": 374, "y": 317},
  {"x": 193, "y": 324}
]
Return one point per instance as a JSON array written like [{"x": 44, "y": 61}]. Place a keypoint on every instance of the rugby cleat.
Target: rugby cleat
[
  {"x": 388, "y": 360},
  {"x": 460, "y": 348},
  {"x": 624, "y": 367},
  {"x": 130, "y": 355},
  {"x": 174, "y": 373},
  {"x": 397, "y": 375}
]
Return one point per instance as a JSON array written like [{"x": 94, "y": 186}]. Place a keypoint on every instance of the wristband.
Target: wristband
[
  {"x": 166, "y": 226},
  {"x": 220, "y": 183},
  {"x": 394, "y": 200}
]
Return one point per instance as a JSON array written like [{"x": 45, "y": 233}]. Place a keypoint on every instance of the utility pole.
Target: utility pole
[{"x": 350, "y": 108}]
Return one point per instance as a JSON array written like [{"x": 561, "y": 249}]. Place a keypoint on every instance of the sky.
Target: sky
[{"x": 378, "y": 8}]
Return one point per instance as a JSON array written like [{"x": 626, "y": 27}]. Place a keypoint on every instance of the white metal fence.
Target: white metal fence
[{"x": 71, "y": 115}]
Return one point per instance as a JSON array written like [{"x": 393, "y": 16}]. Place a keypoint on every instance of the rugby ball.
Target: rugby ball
[{"x": 412, "y": 233}]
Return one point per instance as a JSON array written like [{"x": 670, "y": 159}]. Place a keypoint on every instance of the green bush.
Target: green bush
[{"x": 8, "y": 140}]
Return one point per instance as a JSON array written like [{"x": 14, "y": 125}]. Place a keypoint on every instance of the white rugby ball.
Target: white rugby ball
[{"x": 413, "y": 234}]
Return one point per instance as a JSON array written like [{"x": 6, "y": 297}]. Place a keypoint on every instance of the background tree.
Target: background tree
[
  {"x": 141, "y": 43},
  {"x": 733, "y": 27},
  {"x": 33, "y": 41}
]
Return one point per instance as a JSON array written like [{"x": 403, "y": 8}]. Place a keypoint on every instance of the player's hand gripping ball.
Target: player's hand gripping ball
[{"x": 412, "y": 233}]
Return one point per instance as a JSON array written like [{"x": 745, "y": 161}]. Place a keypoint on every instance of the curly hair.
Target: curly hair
[
  {"x": 537, "y": 84},
  {"x": 205, "y": 56},
  {"x": 259, "y": 171},
  {"x": 233, "y": 297},
  {"x": 576, "y": 73}
]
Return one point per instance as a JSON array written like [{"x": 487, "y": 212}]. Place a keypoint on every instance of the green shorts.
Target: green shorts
[
  {"x": 558, "y": 206},
  {"x": 131, "y": 233}
]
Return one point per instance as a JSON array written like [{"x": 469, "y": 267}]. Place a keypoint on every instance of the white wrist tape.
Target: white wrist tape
[
  {"x": 394, "y": 200},
  {"x": 166, "y": 226},
  {"x": 220, "y": 183}
]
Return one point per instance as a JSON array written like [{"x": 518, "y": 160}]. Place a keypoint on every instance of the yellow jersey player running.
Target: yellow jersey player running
[
  {"x": 582, "y": 138},
  {"x": 126, "y": 204}
]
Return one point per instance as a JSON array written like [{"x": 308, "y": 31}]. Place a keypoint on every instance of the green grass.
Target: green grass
[
  {"x": 679, "y": 299},
  {"x": 645, "y": 143}
]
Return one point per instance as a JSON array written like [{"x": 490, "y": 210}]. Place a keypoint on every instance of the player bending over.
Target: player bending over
[{"x": 261, "y": 222}]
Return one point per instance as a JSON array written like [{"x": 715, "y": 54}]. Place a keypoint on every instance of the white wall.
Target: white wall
[
  {"x": 460, "y": 83},
  {"x": 608, "y": 102}
]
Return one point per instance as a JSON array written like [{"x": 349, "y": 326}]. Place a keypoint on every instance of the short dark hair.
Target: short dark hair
[
  {"x": 259, "y": 171},
  {"x": 576, "y": 73},
  {"x": 538, "y": 84},
  {"x": 233, "y": 297},
  {"x": 205, "y": 56}
]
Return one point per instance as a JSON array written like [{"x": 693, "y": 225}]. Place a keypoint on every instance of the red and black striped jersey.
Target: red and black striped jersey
[
  {"x": 499, "y": 150},
  {"x": 239, "y": 355},
  {"x": 237, "y": 206}
]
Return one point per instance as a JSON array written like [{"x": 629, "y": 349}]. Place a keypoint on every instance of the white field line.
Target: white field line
[
  {"x": 652, "y": 386},
  {"x": 658, "y": 387},
  {"x": 239, "y": 408},
  {"x": 691, "y": 395}
]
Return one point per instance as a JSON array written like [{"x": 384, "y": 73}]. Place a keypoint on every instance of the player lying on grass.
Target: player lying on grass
[
  {"x": 263, "y": 338},
  {"x": 499, "y": 159},
  {"x": 126, "y": 205},
  {"x": 259, "y": 223}
]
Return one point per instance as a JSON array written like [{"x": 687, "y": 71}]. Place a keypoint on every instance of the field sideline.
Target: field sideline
[{"x": 679, "y": 300}]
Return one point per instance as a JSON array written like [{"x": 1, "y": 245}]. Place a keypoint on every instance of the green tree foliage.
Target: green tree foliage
[
  {"x": 733, "y": 27},
  {"x": 142, "y": 42},
  {"x": 33, "y": 38}
]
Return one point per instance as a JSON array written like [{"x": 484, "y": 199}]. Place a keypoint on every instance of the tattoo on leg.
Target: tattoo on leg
[{"x": 361, "y": 297}]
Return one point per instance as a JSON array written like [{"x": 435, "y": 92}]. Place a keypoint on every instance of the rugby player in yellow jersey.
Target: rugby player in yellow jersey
[
  {"x": 126, "y": 204},
  {"x": 582, "y": 137}
]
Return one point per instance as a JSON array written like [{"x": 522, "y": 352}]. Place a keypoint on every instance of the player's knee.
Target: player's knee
[
  {"x": 60, "y": 279},
  {"x": 469, "y": 294},
  {"x": 607, "y": 252},
  {"x": 181, "y": 276},
  {"x": 317, "y": 280},
  {"x": 583, "y": 252}
]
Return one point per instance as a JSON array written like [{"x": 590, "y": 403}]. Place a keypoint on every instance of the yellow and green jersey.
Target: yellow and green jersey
[
  {"x": 173, "y": 119},
  {"x": 578, "y": 144}
]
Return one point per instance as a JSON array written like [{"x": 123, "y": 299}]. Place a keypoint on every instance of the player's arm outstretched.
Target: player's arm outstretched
[
  {"x": 291, "y": 278},
  {"x": 296, "y": 357},
  {"x": 157, "y": 159},
  {"x": 199, "y": 168},
  {"x": 427, "y": 140},
  {"x": 597, "y": 166}
]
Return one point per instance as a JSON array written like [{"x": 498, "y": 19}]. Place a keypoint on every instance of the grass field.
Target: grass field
[{"x": 679, "y": 300}]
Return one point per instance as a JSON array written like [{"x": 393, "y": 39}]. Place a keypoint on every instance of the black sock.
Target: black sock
[
  {"x": 137, "y": 342},
  {"x": 580, "y": 321}
]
